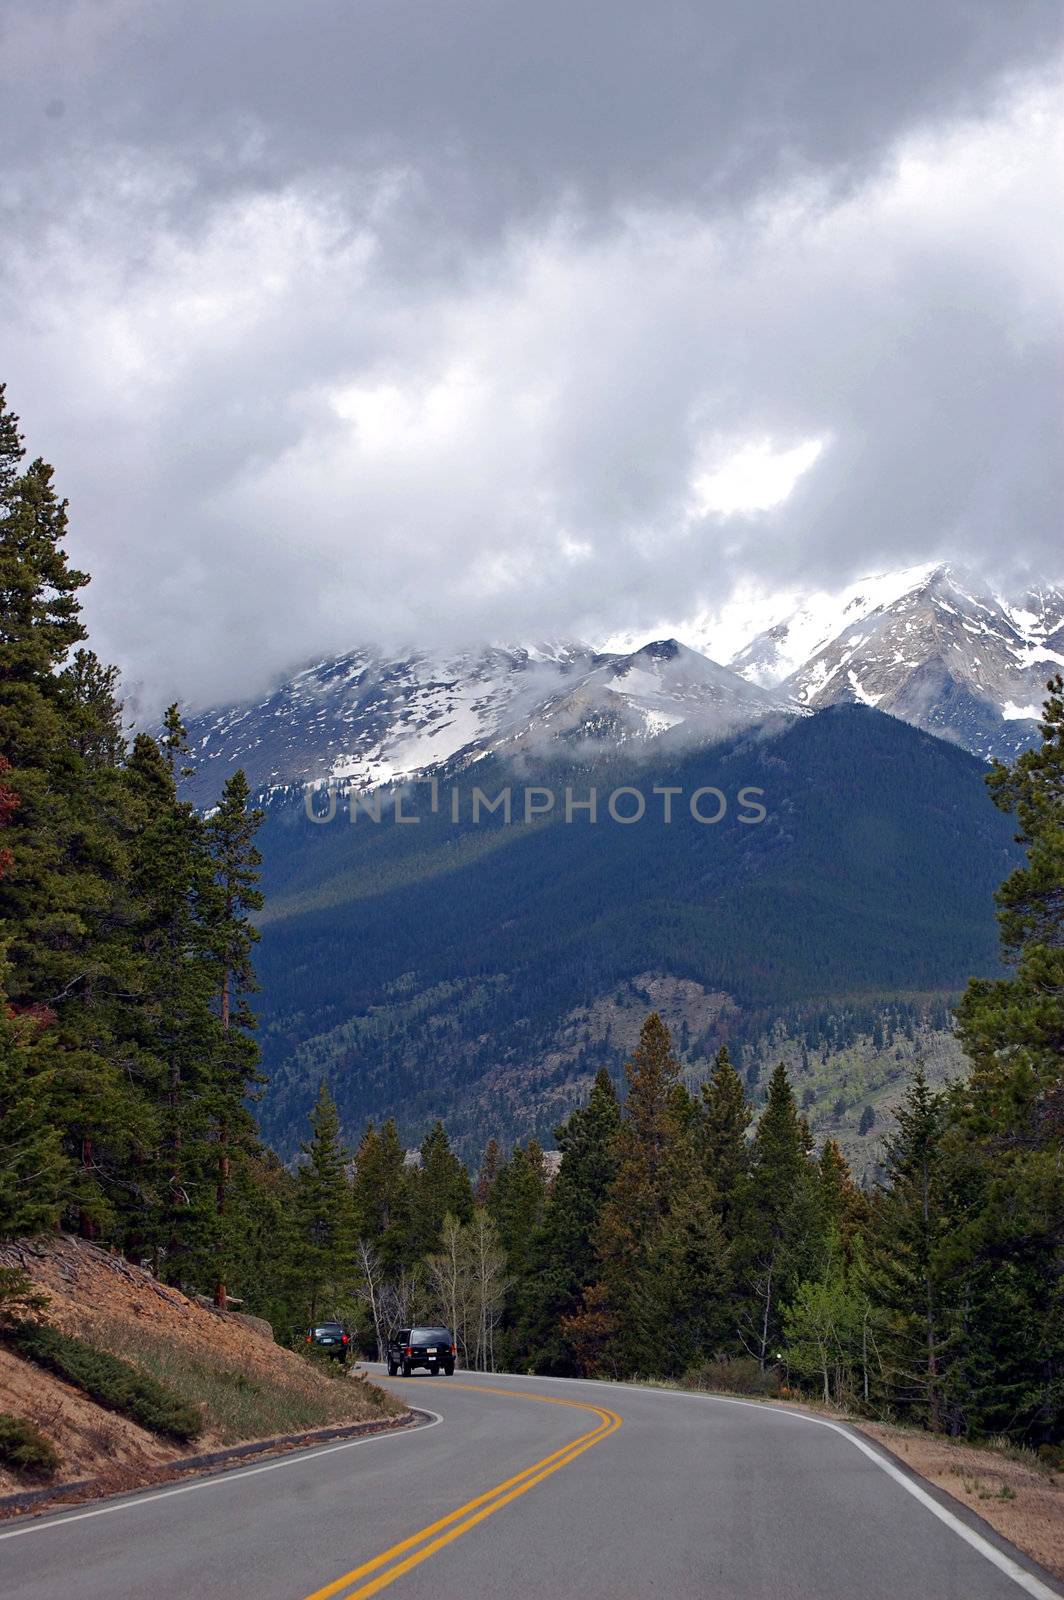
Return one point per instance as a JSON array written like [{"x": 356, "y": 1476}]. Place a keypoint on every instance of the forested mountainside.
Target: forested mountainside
[{"x": 467, "y": 970}]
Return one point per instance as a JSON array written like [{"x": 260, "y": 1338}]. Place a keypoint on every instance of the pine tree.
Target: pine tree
[
  {"x": 32, "y": 1164},
  {"x": 265, "y": 1248},
  {"x": 173, "y": 886},
  {"x": 1005, "y": 1252},
  {"x": 690, "y": 1280},
  {"x": 1013, "y": 1028},
  {"x": 230, "y": 839},
  {"x": 323, "y": 1262},
  {"x": 93, "y": 711},
  {"x": 45, "y": 889},
  {"x": 562, "y": 1256},
  {"x": 655, "y": 1154},
  {"x": 726, "y": 1117},
  {"x": 439, "y": 1188},
  {"x": 910, "y": 1219},
  {"x": 489, "y": 1171},
  {"x": 517, "y": 1203},
  {"x": 381, "y": 1197},
  {"x": 844, "y": 1209},
  {"x": 779, "y": 1226},
  {"x": 63, "y": 899}
]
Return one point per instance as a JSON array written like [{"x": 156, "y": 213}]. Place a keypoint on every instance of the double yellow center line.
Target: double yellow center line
[{"x": 373, "y": 1576}]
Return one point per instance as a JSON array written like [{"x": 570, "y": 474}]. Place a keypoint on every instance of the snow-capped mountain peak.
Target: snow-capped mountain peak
[
  {"x": 947, "y": 654},
  {"x": 779, "y": 650},
  {"x": 365, "y": 719}
]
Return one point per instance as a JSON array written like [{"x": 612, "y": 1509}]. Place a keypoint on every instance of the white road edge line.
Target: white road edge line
[
  {"x": 218, "y": 1480},
  {"x": 1027, "y": 1581},
  {"x": 1012, "y": 1569}
]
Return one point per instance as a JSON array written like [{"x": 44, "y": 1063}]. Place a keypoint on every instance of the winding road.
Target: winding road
[{"x": 524, "y": 1489}]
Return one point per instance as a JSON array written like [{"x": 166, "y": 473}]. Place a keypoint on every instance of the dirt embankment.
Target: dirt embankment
[
  {"x": 245, "y": 1386},
  {"x": 1020, "y": 1500}
]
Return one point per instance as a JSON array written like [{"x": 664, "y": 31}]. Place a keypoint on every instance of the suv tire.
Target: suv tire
[
  {"x": 449, "y": 1369},
  {"x": 393, "y": 1368},
  {"x": 407, "y": 1369}
]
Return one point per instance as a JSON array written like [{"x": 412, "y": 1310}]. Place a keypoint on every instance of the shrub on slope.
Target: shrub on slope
[{"x": 107, "y": 1379}]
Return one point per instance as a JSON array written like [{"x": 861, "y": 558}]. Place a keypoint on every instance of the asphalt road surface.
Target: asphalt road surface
[{"x": 525, "y": 1489}]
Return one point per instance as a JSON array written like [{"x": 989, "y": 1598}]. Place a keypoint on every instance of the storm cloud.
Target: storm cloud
[{"x": 427, "y": 324}]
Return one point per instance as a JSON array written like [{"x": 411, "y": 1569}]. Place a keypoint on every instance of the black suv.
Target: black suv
[
  {"x": 330, "y": 1337},
  {"x": 421, "y": 1347}
]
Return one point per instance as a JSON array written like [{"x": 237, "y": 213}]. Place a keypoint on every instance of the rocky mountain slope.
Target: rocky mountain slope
[
  {"x": 949, "y": 656},
  {"x": 807, "y": 625}
]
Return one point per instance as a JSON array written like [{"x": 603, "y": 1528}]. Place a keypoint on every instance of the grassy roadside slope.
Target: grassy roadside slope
[{"x": 244, "y": 1386}]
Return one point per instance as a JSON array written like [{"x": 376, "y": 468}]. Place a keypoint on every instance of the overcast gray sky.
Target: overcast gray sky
[{"x": 410, "y": 321}]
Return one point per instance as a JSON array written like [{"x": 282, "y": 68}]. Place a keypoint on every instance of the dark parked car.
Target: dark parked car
[
  {"x": 330, "y": 1337},
  {"x": 433, "y": 1348}
]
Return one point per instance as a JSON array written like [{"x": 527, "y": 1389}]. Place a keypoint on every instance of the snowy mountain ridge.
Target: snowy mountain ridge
[
  {"x": 365, "y": 719},
  {"x": 930, "y": 644},
  {"x": 947, "y": 654}
]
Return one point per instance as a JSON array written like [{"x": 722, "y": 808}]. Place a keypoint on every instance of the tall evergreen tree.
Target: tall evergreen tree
[
  {"x": 382, "y": 1200},
  {"x": 517, "y": 1206},
  {"x": 61, "y": 900},
  {"x": 32, "y": 1163},
  {"x": 779, "y": 1218},
  {"x": 655, "y": 1153},
  {"x": 33, "y": 1166},
  {"x": 690, "y": 1280},
  {"x": 909, "y": 1222},
  {"x": 1006, "y": 1128},
  {"x": 489, "y": 1171},
  {"x": 1013, "y": 1028},
  {"x": 843, "y": 1208},
  {"x": 266, "y": 1247},
  {"x": 726, "y": 1117},
  {"x": 517, "y": 1203},
  {"x": 440, "y": 1187},
  {"x": 230, "y": 839},
  {"x": 323, "y": 1256},
  {"x": 174, "y": 890},
  {"x": 93, "y": 711},
  {"x": 562, "y": 1255}
]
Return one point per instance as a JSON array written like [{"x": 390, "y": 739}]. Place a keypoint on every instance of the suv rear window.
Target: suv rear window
[
  {"x": 328, "y": 1327},
  {"x": 431, "y": 1335}
]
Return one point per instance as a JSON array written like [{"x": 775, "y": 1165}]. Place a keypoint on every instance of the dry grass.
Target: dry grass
[{"x": 249, "y": 1401}]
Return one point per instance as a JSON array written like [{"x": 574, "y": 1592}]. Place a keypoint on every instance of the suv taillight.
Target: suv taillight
[
  {"x": 410, "y": 1350},
  {"x": 343, "y": 1338},
  {"x": 454, "y": 1349}
]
